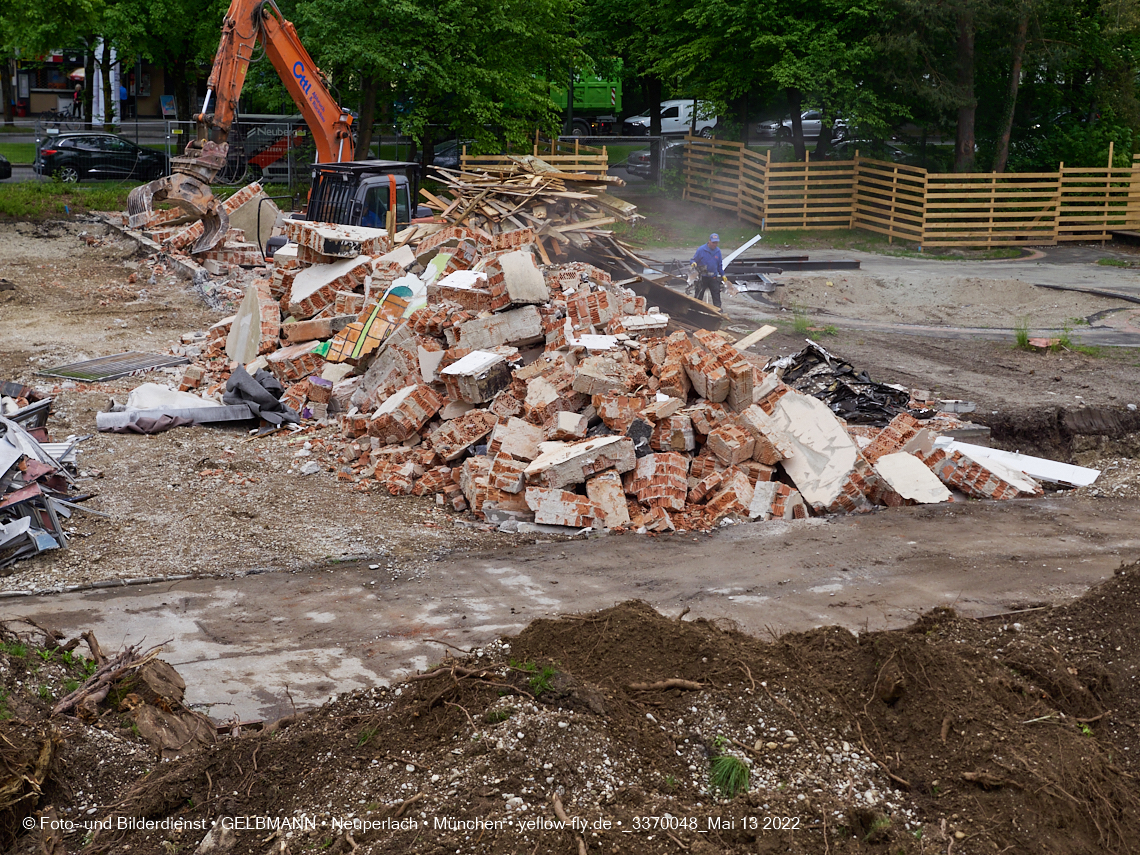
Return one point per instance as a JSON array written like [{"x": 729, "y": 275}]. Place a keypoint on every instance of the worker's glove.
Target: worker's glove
[{"x": 724, "y": 279}]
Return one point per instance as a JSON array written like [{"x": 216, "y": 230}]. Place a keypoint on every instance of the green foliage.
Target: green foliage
[
  {"x": 1115, "y": 262},
  {"x": 44, "y": 692},
  {"x": 39, "y": 200},
  {"x": 728, "y": 775},
  {"x": 47, "y": 654},
  {"x": 1021, "y": 333},
  {"x": 14, "y": 648},
  {"x": 366, "y": 735},
  {"x": 70, "y": 685},
  {"x": 498, "y": 716}
]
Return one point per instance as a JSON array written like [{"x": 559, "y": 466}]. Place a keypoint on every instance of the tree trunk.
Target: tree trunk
[
  {"x": 964, "y": 133},
  {"x": 654, "y": 107},
  {"x": 368, "y": 86},
  {"x": 8, "y": 72},
  {"x": 795, "y": 102},
  {"x": 110, "y": 102},
  {"x": 1001, "y": 158},
  {"x": 88, "y": 82}
]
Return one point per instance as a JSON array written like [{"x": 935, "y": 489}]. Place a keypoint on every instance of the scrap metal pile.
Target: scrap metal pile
[
  {"x": 455, "y": 366},
  {"x": 36, "y": 477}
]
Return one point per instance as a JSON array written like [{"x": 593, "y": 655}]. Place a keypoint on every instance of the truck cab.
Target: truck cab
[{"x": 361, "y": 193}]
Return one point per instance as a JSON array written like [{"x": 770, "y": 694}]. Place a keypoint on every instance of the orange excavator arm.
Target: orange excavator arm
[{"x": 247, "y": 24}]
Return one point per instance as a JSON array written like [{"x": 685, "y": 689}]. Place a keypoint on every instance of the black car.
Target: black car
[
  {"x": 5, "y": 168},
  {"x": 76, "y": 156},
  {"x": 639, "y": 162}
]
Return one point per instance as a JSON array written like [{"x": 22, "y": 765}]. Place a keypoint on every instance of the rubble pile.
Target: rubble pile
[
  {"x": 36, "y": 477},
  {"x": 458, "y": 367}
]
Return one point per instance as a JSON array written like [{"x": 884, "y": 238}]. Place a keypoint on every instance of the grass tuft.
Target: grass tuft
[
  {"x": 729, "y": 775},
  {"x": 1021, "y": 333}
]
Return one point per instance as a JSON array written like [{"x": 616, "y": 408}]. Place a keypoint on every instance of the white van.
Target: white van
[{"x": 676, "y": 118}]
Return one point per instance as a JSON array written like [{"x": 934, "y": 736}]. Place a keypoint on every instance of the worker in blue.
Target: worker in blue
[{"x": 709, "y": 268}]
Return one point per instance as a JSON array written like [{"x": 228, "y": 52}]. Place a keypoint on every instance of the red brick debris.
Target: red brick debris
[{"x": 517, "y": 390}]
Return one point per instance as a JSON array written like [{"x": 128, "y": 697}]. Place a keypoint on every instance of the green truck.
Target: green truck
[{"x": 597, "y": 103}]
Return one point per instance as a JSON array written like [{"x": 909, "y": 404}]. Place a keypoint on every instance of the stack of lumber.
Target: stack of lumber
[{"x": 563, "y": 208}]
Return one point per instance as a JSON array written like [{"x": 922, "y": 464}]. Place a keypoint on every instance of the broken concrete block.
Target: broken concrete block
[
  {"x": 404, "y": 413},
  {"x": 896, "y": 436},
  {"x": 603, "y": 375},
  {"x": 455, "y": 436},
  {"x": 257, "y": 212},
  {"x": 708, "y": 376},
  {"x": 660, "y": 480},
  {"x": 731, "y": 444},
  {"x": 315, "y": 288},
  {"x": 507, "y": 474},
  {"x": 244, "y": 339},
  {"x": 980, "y": 477},
  {"x": 516, "y": 438},
  {"x": 607, "y": 493},
  {"x": 705, "y": 487},
  {"x": 315, "y": 330},
  {"x": 661, "y": 408},
  {"x": 825, "y": 465},
  {"x": 516, "y": 327},
  {"x": 567, "y": 426},
  {"x": 772, "y": 445},
  {"x": 473, "y": 480},
  {"x": 618, "y": 412},
  {"x": 674, "y": 433},
  {"x": 773, "y": 500},
  {"x": 336, "y": 240},
  {"x": 733, "y": 496},
  {"x": 514, "y": 280},
  {"x": 477, "y": 377},
  {"x": 396, "y": 365},
  {"x": 910, "y": 478},
  {"x": 295, "y": 363},
  {"x": 560, "y": 507},
  {"x": 650, "y": 325},
  {"x": 562, "y": 464}
]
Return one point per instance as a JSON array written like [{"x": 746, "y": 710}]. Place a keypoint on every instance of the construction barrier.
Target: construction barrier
[{"x": 909, "y": 203}]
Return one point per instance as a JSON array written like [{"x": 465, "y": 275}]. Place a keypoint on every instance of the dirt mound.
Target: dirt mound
[
  {"x": 961, "y": 301},
  {"x": 658, "y": 734}
]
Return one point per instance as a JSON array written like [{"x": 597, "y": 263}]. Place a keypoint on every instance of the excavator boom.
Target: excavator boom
[{"x": 248, "y": 24}]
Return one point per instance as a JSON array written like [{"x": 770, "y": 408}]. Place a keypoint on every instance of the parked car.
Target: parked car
[
  {"x": 640, "y": 162},
  {"x": 812, "y": 121},
  {"x": 78, "y": 156},
  {"x": 845, "y": 150},
  {"x": 676, "y": 118},
  {"x": 5, "y": 168},
  {"x": 448, "y": 154}
]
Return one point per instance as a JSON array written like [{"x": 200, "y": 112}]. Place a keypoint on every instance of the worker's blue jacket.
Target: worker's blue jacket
[{"x": 709, "y": 259}]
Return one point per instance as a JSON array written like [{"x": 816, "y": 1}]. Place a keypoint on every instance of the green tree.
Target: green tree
[{"x": 468, "y": 68}]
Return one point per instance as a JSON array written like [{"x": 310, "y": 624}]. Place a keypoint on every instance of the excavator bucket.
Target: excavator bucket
[{"x": 188, "y": 187}]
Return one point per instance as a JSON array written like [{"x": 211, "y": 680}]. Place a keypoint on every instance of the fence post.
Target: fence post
[
  {"x": 1107, "y": 191},
  {"x": 922, "y": 221},
  {"x": 854, "y": 190},
  {"x": 740, "y": 182},
  {"x": 764, "y": 190}
]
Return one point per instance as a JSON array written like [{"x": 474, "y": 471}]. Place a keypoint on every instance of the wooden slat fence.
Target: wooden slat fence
[
  {"x": 907, "y": 202},
  {"x": 566, "y": 156}
]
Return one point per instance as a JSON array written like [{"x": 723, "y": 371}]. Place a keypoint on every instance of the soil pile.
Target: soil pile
[
  {"x": 960, "y": 301},
  {"x": 656, "y": 734}
]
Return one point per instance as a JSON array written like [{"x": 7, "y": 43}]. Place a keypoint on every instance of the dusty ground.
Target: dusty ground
[
  {"x": 207, "y": 502},
  {"x": 1014, "y": 735}
]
